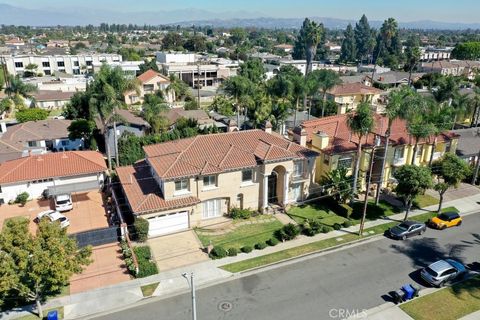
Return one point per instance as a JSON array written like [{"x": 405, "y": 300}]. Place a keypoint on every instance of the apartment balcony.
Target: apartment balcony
[{"x": 398, "y": 161}]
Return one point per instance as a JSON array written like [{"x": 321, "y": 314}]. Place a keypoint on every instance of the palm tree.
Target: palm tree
[
  {"x": 476, "y": 104},
  {"x": 360, "y": 123},
  {"x": 462, "y": 105},
  {"x": 17, "y": 87},
  {"x": 440, "y": 115},
  {"x": 339, "y": 183},
  {"x": 388, "y": 30},
  {"x": 327, "y": 79},
  {"x": 240, "y": 88},
  {"x": 298, "y": 91},
  {"x": 311, "y": 34}
]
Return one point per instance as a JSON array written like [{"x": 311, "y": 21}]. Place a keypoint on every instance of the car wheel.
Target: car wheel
[
  {"x": 422, "y": 231},
  {"x": 459, "y": 223},
  {"x": 404, "y": 237},
  {"x": 441, "y": 284},
  {"x": 443, "y": 227}
]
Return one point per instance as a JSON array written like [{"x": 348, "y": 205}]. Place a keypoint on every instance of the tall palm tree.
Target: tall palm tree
[
  {"x": 299, "y": 90},
  {"x": 240, "y": 89},
  {"x": 327, "y": 79},
  {"x": 17, "y": 87},
  {"x": 476, "y": 105},
  {"x": 440, "y": 115},
  {"x": 311, "y": 34},
  {"x": 360, "y": 123},
  {"x": 388, "y": 30},
  {"x": 462, "y": 105}
]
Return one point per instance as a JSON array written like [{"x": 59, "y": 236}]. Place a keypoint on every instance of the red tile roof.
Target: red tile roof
[
  {"x": 52, "y": 165},
  {"x": 353, "y": 88},
  {"x": 143, "y": 193},
  {"x": 150, "y": 74},
  {"x": 221, "y": 152},
  {"x": 342, "y": 140}
]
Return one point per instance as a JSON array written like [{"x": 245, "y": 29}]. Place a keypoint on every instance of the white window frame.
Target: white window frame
[
  {"x": 212, "y": 209},
  {"x": 298, "y": 168},
  {"x": 297, "y": 197},
  {"x": 184, "y": 185},
  {"x": 397, "y": 152},
  {"x": 211, "y": 182}
]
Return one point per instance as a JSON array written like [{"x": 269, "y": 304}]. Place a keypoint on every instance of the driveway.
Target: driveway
[
  {"x": 88, "y": 212},
  {"x": 106, "y": 269},
  {"x": 177, "y": 250}
]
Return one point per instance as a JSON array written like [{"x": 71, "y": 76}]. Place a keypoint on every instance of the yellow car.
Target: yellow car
[{"x": 445, "y": 220}]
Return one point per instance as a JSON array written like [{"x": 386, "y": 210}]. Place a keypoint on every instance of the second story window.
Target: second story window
[
  {"x": 210, "y": 181},
  {"x": 247, "y": 176},
  {"x": 181, "y": 185},
  {"x": 399, "y": 153},
  {"x": 46, "y": 64},
  {"x": 60, "y": 63},
  {"x": 298, "y": 169},
  {"x": 18, "y": 64},
  {"x": 345, "y": 162}
]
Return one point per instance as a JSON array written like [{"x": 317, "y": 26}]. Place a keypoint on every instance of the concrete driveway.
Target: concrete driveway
[{"x": 177, "y": 250}]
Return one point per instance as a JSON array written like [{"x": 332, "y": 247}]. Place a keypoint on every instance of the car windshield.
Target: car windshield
[
  {"x": 63, "y": 202},
  {"x": 403, "y": 226},
  {"x": 431, "y": 272},
  {"x": 443, "y": 217}
]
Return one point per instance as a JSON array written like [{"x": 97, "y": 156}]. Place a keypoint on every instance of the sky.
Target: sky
[{"x": 466, "y": 11}]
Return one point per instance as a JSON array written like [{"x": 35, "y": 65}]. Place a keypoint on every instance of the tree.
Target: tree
[
  {"x": 388, "y": 49},
  {"x": 364, "y": 39},
  {"x": 467, "y": 51},
  {"x": 349, "y": 47},
  {"x": 17, "y": 87},
  {"x": 339, "y": 183},
  {"x": 172, "y": 41},
  {"x": 180, "y": 88},
  {"x": 36, "y": 267},
  {"x": 240, "y": 89},
  {"x": 30, "y": 70},
  {"x": 327, "y": 79},
  {"x": 154, "y": 107},
  {"x": 412, "y": 181},
  {"x": 78, "y": 106},
  {"x": 360, "y": 123},
  {"x": 412, "y": 55},
  {"x": 253, "y": 70},
  {"x": 32, "y": 114},
  {"x": 148, "y": 65},
  {"x": 476, "y": 106},
  {"x": 450, "y": 171},
  {"x": 196, "y": 43},
  {"x": 81, "y": 129},
  {"x": 311, "y": 34},
  {"x": 223, "y": 105}
]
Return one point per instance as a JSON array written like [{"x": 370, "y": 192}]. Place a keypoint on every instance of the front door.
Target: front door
[{"x": 272, "y": 188}]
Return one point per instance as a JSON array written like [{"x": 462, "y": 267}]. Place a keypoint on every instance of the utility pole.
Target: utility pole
[
  {"x": 369, "y": 180},
  {"x": 477, "y": 167},
  {"x": 382, "y": 172},
  {"x": 191, "y": 284},
  {"x": 198, "y": 86}
]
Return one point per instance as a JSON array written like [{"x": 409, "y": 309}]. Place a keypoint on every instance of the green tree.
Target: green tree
[
  {"x": 81, "y": 129},
  {"x": 311, "y": 34},
  {"x": 180, "y": 88},
  {"x": 349, "y": 47},
  {"x": 339, "y": 183},
  {"x": 364, "y": 39},
  {"x": 148, "y": 65},
  {"x": 412, "y": 181},
  {"x": 37, "y": 267},
  {"x": 32, "y": 114},
  {"x": 360, "y": 122},
  {"x": 78, "y": 107},
  {"x": 253, "y": 70},
  {"x": 172, "y": 41},
  {"x": 223, "y": 105},
  {"x": 238, "y": 35},
  {"x": 17, "y": 87},
  {"x": 388, "y": 49},
  {"x": 30, "y": 70},
  {"x": 412, "y": 55},
  {"x": 327, "y": 79},
  {"x": 450, "y": 171},
  {"x": 467, "y": 51},
  {"x": 154, "y": 108},
  {"x": 241, "y": 90}
]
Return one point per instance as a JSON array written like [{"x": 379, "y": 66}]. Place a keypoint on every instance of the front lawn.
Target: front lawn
[
  {"x": 449, "y": 303},
  {"x": 315, "y": 211},
  {"x": 244, "y": 235},
  {"x": 424, "y": 200},
  {"x": 45, "y": 312}
]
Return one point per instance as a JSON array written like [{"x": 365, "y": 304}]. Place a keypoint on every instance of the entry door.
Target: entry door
[
  {"x": 272, "y": 188},
  {"x": 212, "y": 208}
]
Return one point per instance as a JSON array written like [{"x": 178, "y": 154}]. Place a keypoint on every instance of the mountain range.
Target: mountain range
[{"x": 13, "y": 15}]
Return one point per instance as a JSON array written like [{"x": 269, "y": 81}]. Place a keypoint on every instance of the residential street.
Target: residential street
[{"x": 353, "y": 279}]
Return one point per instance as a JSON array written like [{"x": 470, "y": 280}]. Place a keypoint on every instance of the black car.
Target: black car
[{"x": 407, "y": 229}]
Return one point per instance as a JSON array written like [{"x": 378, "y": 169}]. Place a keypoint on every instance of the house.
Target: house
[
  {"x": 49, "y": 99},
  {"x": 452, "y": 67},
  {"x": 349, "y": 95},
  {"x": 201, "y": 116},
  {"x": 57, "y": 44},
  {"x": 468, "y": 144},
  {"x": 150, "y": 82},
  {"x": 286, "y": 48},
  {"x": 337, "y": 146},
  {"x": 393, "y": 79},
  {"x": 60, "y": 82},
  {"x": 36, "y": 137},
  {"x": 196, "y": 181},
  {"x": 51, "y": 173}
]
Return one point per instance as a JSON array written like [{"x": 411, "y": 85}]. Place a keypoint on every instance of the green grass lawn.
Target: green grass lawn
[
  {"x": 318, "y": 245},
  {"x": 449, "y": 303},
  {"x": 424, "y": 200},
  {"x": 315, "y": 211},
  {"x": 45, "y": 312},
  {"x": 245, "y": 235},
  {"x": 149, "y": 289}
]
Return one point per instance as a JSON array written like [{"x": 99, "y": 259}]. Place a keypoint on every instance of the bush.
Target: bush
[
  {"x": 342, "y": 209},
  {"x": 291, "y": 231},
  {"x": 309, "y": 232},
  {"x": 218, "y": 253},
  {"x": 260, "y": 246},
  {"x": 232, "y": 252},
  {"x": 246, "y": 249},
  {"x": 236, "y": 213},
  {"x": 146, "y": 267},
  {"x": 22, "y": 198},
  {"x": 141, "y": 229},
  {"x": 272, "y": 242},
  {"x": 316, "y": 226},
  {"x": 326, "y": 229},
  {"x": 31, "y": 114},
  {"x": 347, "y": 223},
  {"x": 337, "y": 226}
]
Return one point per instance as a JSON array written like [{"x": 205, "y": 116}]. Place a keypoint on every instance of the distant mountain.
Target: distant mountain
[{"x": 190, "y": 16}]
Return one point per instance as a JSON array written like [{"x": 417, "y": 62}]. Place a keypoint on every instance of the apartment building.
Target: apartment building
[{"x": 348, "y": 96}]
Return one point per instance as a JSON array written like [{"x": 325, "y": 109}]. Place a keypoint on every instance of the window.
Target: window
[
  {"x": 148, "y": 87},
  {"x": 47, "y": 72},
  {"x": 76, "y": 64},
  {"x": 212, "y": 208},
  {"x": 64, "y": 143},
  {"x": 298, "y": 169},
  {"x": 32, "y": 143},
  {"x": 18, "y": 64},
  {"x": 326, "y": 159},
  {"x": 399, "y": 153},
  {"x": 76, "y": 71},
  {"x": 345, "y": 162},
  {"x": 88, "y": 63},
  {"x": 297, "y": 192},
  {"x": 46, "y": 64},
  {"x": 448, "y": 145},
  {"x": 61, "y": 63},
  {"x": 210, "y": 181},
  {"x": 247, "y": 175},
  {"x": 419, "y": 150},
  {"x": 181, "y": 185}
]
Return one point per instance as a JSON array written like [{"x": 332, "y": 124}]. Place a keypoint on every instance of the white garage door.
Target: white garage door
[{"x": 168, "y": 224}]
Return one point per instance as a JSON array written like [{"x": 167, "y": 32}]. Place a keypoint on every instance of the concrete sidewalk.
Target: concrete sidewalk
[{"x": 171, "y": 282}]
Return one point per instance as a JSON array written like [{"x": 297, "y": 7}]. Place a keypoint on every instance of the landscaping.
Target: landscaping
[
  {"x": 315, "y": 211},
  {"x": 35, "y": 317},
  {"x": 149, "y": 289},
  {"x": 449, "y": 303},
  {"x": 424, "y": 200},
  {"x": 146, "y": 267}
]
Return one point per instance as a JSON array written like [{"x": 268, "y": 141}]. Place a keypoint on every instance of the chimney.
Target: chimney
[
  {"x": 300, "y": 136},
  {"x": 320, "y": 140},
  {"x": 232, "y": 126},
  {"x": 267, "y": 127}
]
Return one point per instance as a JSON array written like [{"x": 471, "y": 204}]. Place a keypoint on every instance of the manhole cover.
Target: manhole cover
[{"x": 225, "y": 306}]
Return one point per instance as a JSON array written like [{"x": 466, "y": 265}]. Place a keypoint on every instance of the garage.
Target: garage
[{"x": 166, "y": 224}]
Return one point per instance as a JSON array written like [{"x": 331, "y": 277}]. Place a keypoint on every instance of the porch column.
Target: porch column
[
  {"x": 265, "y": 191},
  {"x": 286, "y": 182}
]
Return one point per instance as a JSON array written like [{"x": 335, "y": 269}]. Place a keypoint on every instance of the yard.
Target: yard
[
  {"x": 424, "y": 200},
  {"x": 449, "y": 303},
  {"x": 244, "y": 233}
]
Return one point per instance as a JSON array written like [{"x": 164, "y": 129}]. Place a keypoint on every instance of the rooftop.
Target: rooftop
[{"x": 353, "y": 88}]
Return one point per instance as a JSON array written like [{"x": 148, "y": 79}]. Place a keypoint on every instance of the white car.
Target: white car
[
  {"x": 54, "y": 216},
  {"x": 63, "y": 202}
]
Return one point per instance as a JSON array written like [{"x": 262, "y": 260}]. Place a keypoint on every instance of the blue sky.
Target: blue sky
[{"x": 402, "y": 10}]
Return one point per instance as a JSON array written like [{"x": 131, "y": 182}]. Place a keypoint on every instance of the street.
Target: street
[{"x": 351, "y": 280}]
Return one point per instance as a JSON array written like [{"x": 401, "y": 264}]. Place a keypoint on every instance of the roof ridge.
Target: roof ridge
[
  {"x": 10, "y": 145},
  {"x": 179, "y": 157}
]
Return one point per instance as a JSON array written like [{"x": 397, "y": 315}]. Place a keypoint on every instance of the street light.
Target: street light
[{"x": 191, "y": 284}]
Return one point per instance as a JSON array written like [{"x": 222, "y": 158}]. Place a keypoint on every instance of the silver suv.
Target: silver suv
[{"x": 442, "y": 271}]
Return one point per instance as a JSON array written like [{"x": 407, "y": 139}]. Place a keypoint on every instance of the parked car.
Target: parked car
[
  {"x": 407, "y": 229},
  {"x": 442, "y": 271},
  {"x": 54, "y": 216},
  {"x": 63, "y": 202},
  {"x": 445, "y": 220}
]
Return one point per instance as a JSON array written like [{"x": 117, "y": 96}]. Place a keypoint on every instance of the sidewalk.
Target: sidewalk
[{"x": 171, "y": 282}]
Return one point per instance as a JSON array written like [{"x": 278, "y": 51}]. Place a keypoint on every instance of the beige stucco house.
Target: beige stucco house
[
  {"x": 348, "y": 96},
  {"x": 196, "y": 181},
  {"x": 150, "y": 82}
]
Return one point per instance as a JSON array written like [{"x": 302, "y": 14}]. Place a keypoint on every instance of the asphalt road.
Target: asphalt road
[{"x": 353, "y": 279}]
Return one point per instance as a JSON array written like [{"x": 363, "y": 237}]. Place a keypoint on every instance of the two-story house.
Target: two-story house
[
  {"x": 337, "y": 146},
  {"x": 348, "y": 96},
  {"x": 150, "y": 82},
  {"x": 195, "y": 181}
]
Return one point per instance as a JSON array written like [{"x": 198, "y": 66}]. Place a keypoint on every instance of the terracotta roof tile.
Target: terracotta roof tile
[
  {"x": 353, "y": 88},
  {"x": 150, "y": 74}
]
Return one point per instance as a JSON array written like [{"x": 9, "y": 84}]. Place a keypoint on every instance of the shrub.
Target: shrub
[
  {"x": 342, "y": 209},
  {"x": 246, "y": 249},
  {"x": 326, "y": 229},
  {"x": 146, "y": 267},
  {"x": 272, "y": 242},
  {"x": 309, "y": 232},
  {"x": 22, "y": 198},
  {"x": 347, "y": 223},
  {"x": 218, "y": 253},
  {"x": 316, "y": 226},
  {"x": 280, "y": 235},
  {"x": 291, "y": 231},
  {"x": 143, "y": 252},
  {"x": 232, "y": 252},
  {"x": 337, "y": 226},
  {"x": 141, "y": 229},
  {"x": 236, "y": 213},
  {"x": 260, "y": 246}
]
